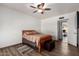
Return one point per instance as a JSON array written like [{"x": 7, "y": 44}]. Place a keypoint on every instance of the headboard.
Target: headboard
[{"x": 29, "y": 31}]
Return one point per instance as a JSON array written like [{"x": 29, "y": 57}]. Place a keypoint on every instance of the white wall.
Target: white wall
[
  {"x": 49, "y": 25},
  {"x": 12, "y": 23}
]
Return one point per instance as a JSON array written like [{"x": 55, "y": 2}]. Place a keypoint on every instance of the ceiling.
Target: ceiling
[{"x": 56, "y": 9}]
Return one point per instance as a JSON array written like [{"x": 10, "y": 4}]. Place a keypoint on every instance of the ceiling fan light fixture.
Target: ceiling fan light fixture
[
  {"x": 40, "y": 7},
  {"x": 39, "y": 10}
]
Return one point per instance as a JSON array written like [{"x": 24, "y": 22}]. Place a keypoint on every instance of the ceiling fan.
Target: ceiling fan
[{"x": 40, "y": 8}]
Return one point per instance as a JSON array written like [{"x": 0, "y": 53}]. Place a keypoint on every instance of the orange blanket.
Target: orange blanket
[{"x": 37, "y": 38}]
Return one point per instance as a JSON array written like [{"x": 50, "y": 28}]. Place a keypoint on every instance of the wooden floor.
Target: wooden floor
[{"x": 61, "y": 49}]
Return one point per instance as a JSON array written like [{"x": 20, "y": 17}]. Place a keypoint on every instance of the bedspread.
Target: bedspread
[{"x": 36, "y": 38}]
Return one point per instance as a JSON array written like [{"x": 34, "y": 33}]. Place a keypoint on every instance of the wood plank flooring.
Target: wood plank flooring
[{"x": 61, "y": 49}]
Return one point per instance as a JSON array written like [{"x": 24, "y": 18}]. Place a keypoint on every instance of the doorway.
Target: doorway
[{"x": 63, "y": 30}]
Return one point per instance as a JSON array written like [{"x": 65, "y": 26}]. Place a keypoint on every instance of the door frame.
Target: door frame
[{"x": 77, "y": 29}]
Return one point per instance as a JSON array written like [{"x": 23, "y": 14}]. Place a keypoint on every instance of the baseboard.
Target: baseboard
[
  {"x": 10, "y": 45},
  {"x": 72, "y": 45}
]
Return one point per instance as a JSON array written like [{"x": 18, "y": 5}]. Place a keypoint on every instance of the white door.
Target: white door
[{"x": 72, "y": 33}]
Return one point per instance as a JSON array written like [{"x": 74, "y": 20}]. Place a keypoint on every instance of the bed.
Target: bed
[{"x": 35, "y": 39}]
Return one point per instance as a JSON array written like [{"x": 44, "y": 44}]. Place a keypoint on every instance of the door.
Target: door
[{"x": 77, "y": 29}]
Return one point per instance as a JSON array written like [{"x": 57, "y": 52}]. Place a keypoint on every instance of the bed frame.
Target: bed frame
[
  {"x": 32, "y": 44},
  {"x": 29, "y": 43}
]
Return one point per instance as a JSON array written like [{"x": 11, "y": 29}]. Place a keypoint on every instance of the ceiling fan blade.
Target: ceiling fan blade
[
  {"x": 32, "y": 6},
  {"x": 35, "y": 11},
  {"x": 47, "y": 9},
  {"x": 40, "y": 5}
]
